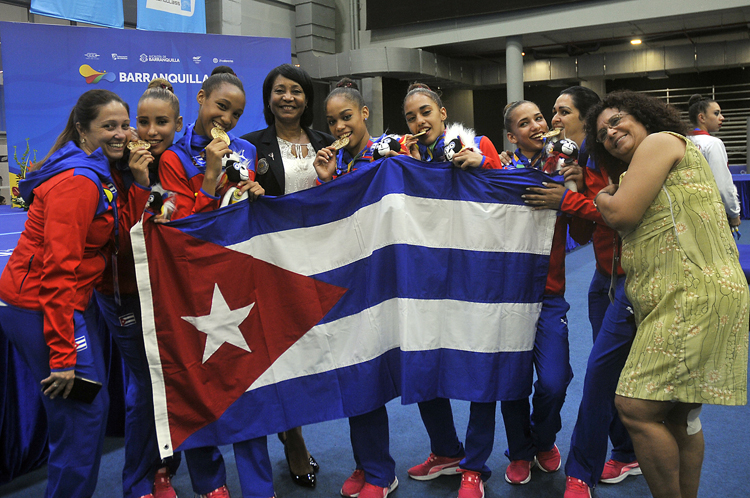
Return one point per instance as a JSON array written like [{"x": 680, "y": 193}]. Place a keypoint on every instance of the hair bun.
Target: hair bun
[
  {"x": 223, "y": 69},
  {"x": 416, "y": 85},
  {"x": 347, "y": 83},
  {"x": 160, "y": 83},
  {"x": 695, "y": 99}
]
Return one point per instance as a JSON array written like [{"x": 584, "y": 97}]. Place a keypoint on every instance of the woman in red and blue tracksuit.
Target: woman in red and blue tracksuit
[
  {"x": 346, "y": 114},
  {"x": 531, "y": 435},
  {"x": 158, "y": 118},
  {"x": 190, "y": 169},
  {"x": 425, "y": 113},
  {"x": 46, "y": 287},
  {"x": 612, "y": 322}
]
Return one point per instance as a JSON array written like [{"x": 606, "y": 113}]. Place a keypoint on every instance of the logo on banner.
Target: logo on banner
[
  {"x": 92, "y": 56},
  {"x": 116, "y": 57},
  {"x": 93, "y": 76},
  {"x": 179, "y": 7},
  {"x": 197, "y": 59},
  {"x": 171, "y": 77},
  {"x": 158, "y": 58},
  {"x": 226, "y": 61}
]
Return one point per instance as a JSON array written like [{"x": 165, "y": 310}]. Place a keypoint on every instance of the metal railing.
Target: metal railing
[{"x": 735, "y": 106}]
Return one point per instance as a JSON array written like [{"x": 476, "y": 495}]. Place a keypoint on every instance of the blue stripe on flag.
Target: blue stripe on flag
[
  {"x": 427, "y": 273},
  {"x": 338, "y": 393}
]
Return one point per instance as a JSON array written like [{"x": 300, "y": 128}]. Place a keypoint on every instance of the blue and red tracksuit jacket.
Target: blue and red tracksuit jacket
[{"x": 66, "y": 242}]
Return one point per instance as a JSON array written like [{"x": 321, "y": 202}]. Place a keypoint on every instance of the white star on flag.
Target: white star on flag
[{"x": 221, "y": 325}]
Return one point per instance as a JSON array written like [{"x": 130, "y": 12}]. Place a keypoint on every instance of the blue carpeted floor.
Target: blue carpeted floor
[{"x": 725, "y": 468}]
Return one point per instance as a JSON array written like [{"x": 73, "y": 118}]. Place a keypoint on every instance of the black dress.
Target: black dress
[{"x": 267, "y": 146}]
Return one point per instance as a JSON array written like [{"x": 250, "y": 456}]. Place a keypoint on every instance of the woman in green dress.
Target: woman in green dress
[{"x": 683, "y": 277}]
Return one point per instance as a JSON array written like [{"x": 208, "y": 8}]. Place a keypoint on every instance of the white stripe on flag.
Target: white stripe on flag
[
  {"x": 412, "y": 325},
  {"x": 401, "y": 219},
  {"x": 161, "y": 416}
]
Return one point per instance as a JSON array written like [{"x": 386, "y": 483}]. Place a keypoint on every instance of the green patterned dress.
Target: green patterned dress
[{"x": 689, "y": 295}]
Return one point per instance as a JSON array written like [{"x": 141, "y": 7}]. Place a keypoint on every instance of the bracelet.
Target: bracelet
[{"x": 596, "y": 197}]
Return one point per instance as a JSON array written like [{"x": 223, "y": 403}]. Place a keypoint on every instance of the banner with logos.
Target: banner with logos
[
  {"x": 99, "y": 12},
  {"x": 46, "y": 68},
  {"x": 185, "y": 16}
]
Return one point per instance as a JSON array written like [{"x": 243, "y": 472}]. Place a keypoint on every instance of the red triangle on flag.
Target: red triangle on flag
[{"x": 184, "y": 272}]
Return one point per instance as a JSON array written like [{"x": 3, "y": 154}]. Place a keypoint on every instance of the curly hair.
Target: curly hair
[{"x": 654, "y": 114}]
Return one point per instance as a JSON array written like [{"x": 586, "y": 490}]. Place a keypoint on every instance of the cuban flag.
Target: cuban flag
[{"x": 402, "y": 278}]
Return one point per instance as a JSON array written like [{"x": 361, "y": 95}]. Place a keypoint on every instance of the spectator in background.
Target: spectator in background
[{"x": 706, "y": 118}]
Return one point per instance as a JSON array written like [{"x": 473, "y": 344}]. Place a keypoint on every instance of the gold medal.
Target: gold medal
[
  {"x": 552, "y": 133},
  {"x": 420, "y": 134},
  {"x": 340, "y": 143},
  {"x": 139, "y": 144},
  {"x": 219, "y": 133}
]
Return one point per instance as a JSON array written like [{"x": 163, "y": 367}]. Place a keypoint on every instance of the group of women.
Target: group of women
[{"x": 668, "y": 303}]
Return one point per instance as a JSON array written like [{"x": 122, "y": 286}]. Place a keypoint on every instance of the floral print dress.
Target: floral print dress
[{"x": 689, "y": 295}]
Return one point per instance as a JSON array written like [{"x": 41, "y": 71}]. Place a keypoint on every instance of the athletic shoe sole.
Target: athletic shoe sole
[
  {"x": 445, "y": 471},
  {"x": 393, "y": 486},
  {"x": 631, "y": 472},
  {"x": 525, "y": 481}
]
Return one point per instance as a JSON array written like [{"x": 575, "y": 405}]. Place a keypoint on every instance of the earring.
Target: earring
[{"x": 83, "y": 140}]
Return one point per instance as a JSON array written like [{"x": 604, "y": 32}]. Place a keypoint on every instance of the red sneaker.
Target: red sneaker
[
  {"x": 471, "y": 485},
  {"x": 549, "y": 461},
  {"x": 354, "y": 484},
  {"x": 434, "y": 466},
  {"x": 163, "y": 484},
  {"x": 222, "y": 492},
  {"x": 615, "y": 471},
  {"x": 372, "y": 491},
  {"x": 518, "y": 472},
  {"x": 576, "y": 488}
]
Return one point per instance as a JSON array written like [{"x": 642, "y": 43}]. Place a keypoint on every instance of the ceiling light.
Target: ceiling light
[{"x": 635, "y": 41}]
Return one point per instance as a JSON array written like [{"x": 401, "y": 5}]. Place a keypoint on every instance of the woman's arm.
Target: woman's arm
[
  {"x": 189, "y": 198},
  {"x": 69, "y": 209},
  {"x": 651, "y": 163}
]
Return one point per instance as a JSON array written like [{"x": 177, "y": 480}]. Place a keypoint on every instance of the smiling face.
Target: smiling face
[
  {"x": 346, "y": 119},
  {"x": 156, "y": 123},
  {"x": 222, "y": 108},
  {"x": 287, "y": 100},
  {"x": 109, "y": 130},
  {"x": 621, "y": 134},
  {"x": 567, "y": 117},
  {"x": 713, "y": 118},
  {"x": 423, "y": 114},
  {"x": 527, "y": 128}
]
